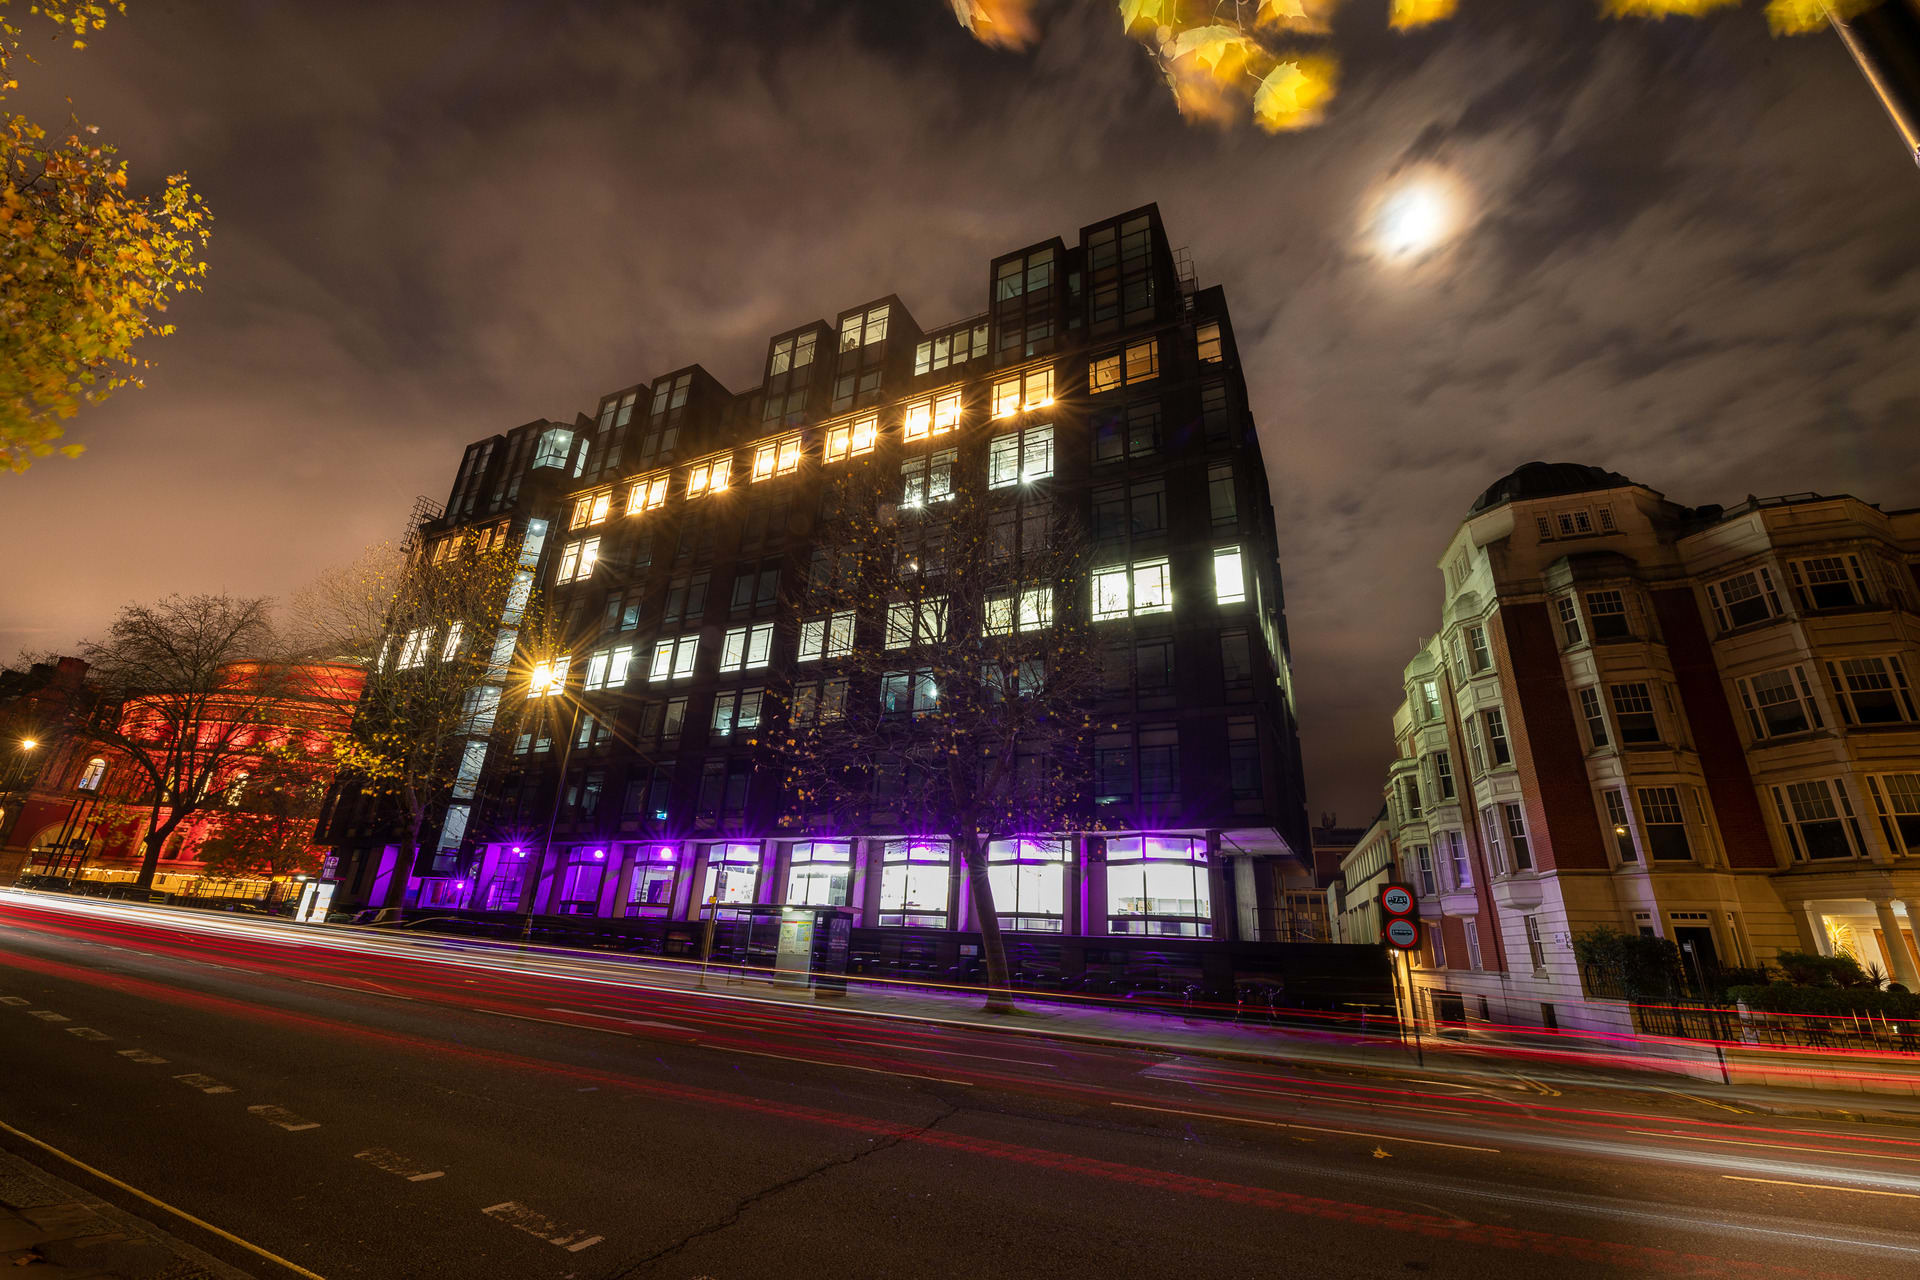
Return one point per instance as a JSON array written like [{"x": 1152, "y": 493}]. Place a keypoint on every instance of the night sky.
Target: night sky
[{"x": 1692, "y": 255}]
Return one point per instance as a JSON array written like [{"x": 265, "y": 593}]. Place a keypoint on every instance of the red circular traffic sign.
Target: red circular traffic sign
[
  {"x": 1402, "y": 933},
  {"x": 1396, "y": 900}
]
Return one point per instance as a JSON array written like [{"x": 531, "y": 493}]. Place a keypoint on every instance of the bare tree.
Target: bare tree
[
  {"x": 964, "y": 700},
  {"x": 186, "y": 683},
  {"x": 442, "y": 630}
]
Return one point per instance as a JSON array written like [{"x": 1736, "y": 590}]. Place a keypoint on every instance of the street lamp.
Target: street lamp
[{"x": 1885, "y": 43}]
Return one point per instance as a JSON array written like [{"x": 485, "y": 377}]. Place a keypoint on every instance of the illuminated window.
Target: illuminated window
[
  {"x": 829, "y": 636},
  {"x": 591, "y": 509},
  {"x": 922, "y": 621},
  {"x": 1037, "y": 388},
  {"x": 791, "y": 353},
  {"x": 915, "y": 879},
  {"x": 821, "y": 872},
  {"x": 92, "y": 775},
  {"x": 1143, "y": 360},
  {"x": 577, "y": 560},
  {"x": 1020, "y": 456},
  {"x": 819, "y": 701},
  {"x": 745, "y": 648},
  {"x": 732, "y": 872},
  {"x": 673, "y": 659},
  {"x": 736, "y": 709},
  {"x": 1104, "y": 374},
  {"x": 958, "y": 347},
  {"x": 1158, "y": 885},
  {"x": 1121, "y": 591},
  {"x": 709, "y": 476},
  {"x": 863, "y": 329},
  {"x": 549, "y": 677},
  {"x": 1207, "y": 338},
  {"x": 1027, "y": 609},
  {"x": 851, "y": 439},
  {"x": 932, "y": 417},
  {"x": 418, "y": 644},
  {"x": 1028, "y": 878},
  {"x": 648, "y": 493},
  {"x": 1229, "y": 576},
  {"x": 926, "y": 479},
  {"x": 607, "y": 669},
  {"x": 776, "y": 457},
  {"x": 1006, "y": 397},
  {"x": 556, "y": 443},
  {"x": 451, "y": 649}
]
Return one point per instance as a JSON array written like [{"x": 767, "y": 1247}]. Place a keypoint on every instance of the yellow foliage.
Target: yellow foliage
[
  {"x": 1294, "y": 94},
  {"x": 1806, "y": 17},
  {"x": 1664, "y": 8},
  {"x": 1407, "y": 14},
  {"x": 1144, "y": 17},
  {"x": 1006, "y": 24},
  {"x": 1302, "y": 17},
  {"x": 85, "y": 268}
]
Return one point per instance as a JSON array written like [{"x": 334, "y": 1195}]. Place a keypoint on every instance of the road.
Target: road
[{"x": 408, "y": 1111}]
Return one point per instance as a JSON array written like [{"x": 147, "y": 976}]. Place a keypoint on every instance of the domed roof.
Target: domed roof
[{"x": 1545, "y": 480}]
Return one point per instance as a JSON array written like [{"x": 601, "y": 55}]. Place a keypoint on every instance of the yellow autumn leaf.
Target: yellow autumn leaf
[
  {"x": 1407, "y": 14},
  {"x": 1147, "y": 15},
  {"x": 1216, "y": 47},
  {"x": 1308, "y": 17},
  {"x": 1807, "y": 17},
  {"x": 1294, "y": 94},
  {"x": 1664, "y": 8}
]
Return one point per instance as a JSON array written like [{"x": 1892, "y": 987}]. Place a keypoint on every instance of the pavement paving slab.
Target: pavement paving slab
[{"x": 50, "y": 1228}]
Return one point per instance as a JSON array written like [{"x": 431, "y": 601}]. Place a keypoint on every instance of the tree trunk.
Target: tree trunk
[
  {"x": 406, "y": 860},
  {"x": 993, "y": 947},
  {"x": 150, "y": 852}
]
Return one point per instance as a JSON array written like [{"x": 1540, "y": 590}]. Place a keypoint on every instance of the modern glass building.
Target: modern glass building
[{"x": 689, "y": 536}]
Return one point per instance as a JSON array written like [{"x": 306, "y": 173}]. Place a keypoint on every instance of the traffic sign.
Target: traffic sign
[
  {"x": 1396, "y": 900},
  {"x": 1402, "y": 934}
]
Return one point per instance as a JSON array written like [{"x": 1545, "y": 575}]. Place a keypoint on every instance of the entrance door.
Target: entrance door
[{"x": 1697, "y": 953}]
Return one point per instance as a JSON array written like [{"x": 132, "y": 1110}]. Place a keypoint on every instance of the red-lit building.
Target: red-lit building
[{"x": 80, "y": 810}]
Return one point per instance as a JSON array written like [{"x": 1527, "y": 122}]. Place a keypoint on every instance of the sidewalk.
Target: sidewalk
[{"x": 49, "y": 1228}]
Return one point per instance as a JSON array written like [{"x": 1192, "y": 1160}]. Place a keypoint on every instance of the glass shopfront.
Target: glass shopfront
[
  {"x": 822, "y": 871},
  {"x": 1028, "y": 878},
  {"x": 1157, "y": 885},
  {"x": 916, "y": 878}
]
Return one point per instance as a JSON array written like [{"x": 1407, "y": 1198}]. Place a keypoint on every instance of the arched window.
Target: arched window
[
  {"x": 91, "y": 776},
  {"x": 236, "y": 787}
]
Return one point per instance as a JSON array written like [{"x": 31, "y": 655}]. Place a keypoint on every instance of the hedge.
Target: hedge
[{"x": 1784, "y": 997}]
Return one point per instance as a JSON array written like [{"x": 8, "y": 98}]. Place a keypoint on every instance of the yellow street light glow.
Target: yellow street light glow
[{"x": 28, "y": 744}]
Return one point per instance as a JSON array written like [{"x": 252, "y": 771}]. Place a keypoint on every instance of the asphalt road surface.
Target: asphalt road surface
[{"x": 336, "y": 1110}]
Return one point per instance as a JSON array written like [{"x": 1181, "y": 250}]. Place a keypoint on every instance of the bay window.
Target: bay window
[
  {"x": 1829, "y": 582},
  {"x": 1872, "y": 690},
  {"x": 1665, "y": 824},
  {"x": 1896, "y": 798},
  {"x": 1744, "y": 599},
  {"x": 1779, "y": 703},
  {"x": 1818, "y": 819}
]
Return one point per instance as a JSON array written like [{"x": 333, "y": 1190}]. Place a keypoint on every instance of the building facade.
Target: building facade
[
  {"x": 1690, "y": 722},
  {"x": 685, "y": 535},
  {"x": 81, "y": 813}
]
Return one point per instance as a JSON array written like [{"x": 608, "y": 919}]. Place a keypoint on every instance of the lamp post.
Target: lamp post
[{"x": 1885, "y": 44}]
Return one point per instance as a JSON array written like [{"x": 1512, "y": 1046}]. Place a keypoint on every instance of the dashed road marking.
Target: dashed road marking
[
  {"x": 1776, "y": 1146},
  {"x": 48, "y": 1015},
  {"x": 87, "y": 1033},
  {"x": 141, "y": 1055},
  {"x": 1822, "y": 1186},
  {"x": 816, "y": 1062},
  {"x": 205, "y": 1084},
  {"x": 540, "y": 1226},
  {"x": 359, "y": 991},
  {"x": 274, "y": 1114},
  {"x": 398, "y": 1165},
  {"x": 555, "y": 1022},
  {"x": 632, "y": 1022},
  {"x": 1309, "y": 1128},
  {"x": 14, "y": 1000}
]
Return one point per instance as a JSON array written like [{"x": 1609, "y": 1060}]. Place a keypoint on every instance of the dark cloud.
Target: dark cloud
[{"x": 1690, "y": 257}]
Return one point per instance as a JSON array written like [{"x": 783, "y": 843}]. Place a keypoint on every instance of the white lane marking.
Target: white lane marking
[
  {"x": 278, "y": 1115},
  {"x": 205, "y": 1084},
  {"x": 632, "y": 1022},
  {"x": 87, "y": 1033},
  {"x": 1822, "y": 1186},
  {"x": 1310, "y": 1128},
  {"x": 555, "y": 1022},
  {"x": 398, "y": 1165},
  {"x": 947, "y": 1053},
  {"x": 14, "y": 1000},
  {"x": 359, "y": 991},
  {"x": 141, "y": 1055},
  {"x": 1776, "y": 1146},
  {"x": 540, "y": 1226},
  {"x": 48, "y": 1015},
  {"x": 815, "y": 1062}
]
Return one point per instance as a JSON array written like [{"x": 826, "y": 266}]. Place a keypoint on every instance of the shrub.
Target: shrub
[
  {"x": 1806, "y": 969},
  {"x": 1638, "y": 966},
  {"x": 1785, "y": 997}
]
